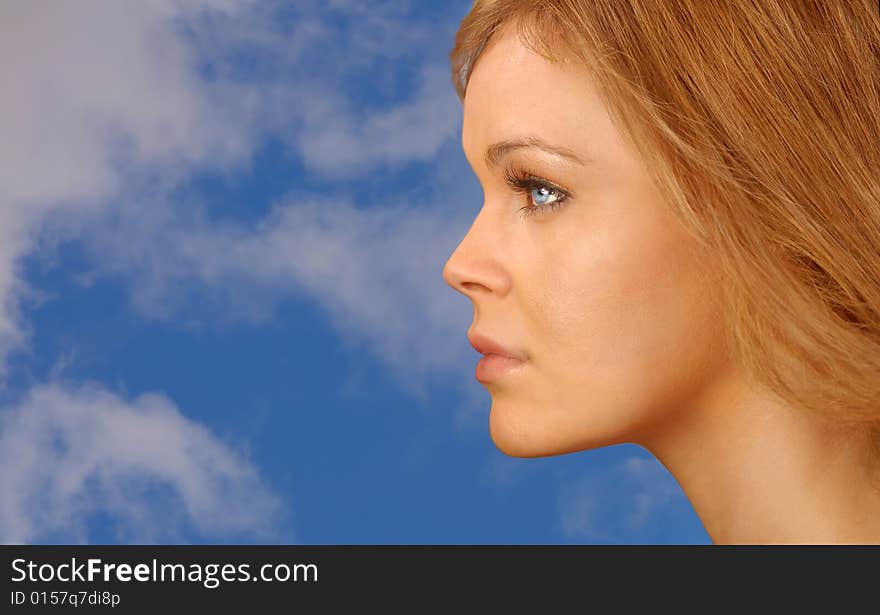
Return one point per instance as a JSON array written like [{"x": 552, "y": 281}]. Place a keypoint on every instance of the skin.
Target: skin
[{"x": 614, "y": 309}]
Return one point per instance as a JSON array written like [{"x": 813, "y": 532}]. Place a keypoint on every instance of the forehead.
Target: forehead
[{"x": 514, "y": 92}]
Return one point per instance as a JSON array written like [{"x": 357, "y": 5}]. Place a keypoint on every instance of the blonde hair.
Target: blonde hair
[{"x": 759, "y": 123}]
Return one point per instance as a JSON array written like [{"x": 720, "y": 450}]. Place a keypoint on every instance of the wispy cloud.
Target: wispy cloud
[
  {"x": 338, "y": 141},
  {"x": 375, "y": 270},
  {"x": 617, "y": 504},
  {"x": 376, "y": 274},
  {"x": 96, "y": 137},
  {"x": 68, "y": 453},
  {"x": 107, "y": 108},
  {"x": 95, "y": 89},
  {"x": 96, "y": 93}
]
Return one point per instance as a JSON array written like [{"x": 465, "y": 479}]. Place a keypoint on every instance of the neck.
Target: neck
[{"x": 757, "y": 471}]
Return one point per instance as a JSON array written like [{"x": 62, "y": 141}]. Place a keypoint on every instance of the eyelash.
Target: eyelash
[{"x": 524, "y": 182}]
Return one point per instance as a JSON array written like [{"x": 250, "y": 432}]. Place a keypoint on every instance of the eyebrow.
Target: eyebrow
[{"x": 499, "y": 150}]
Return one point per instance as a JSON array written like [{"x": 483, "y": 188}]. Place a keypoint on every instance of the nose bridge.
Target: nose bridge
[{"x": 477, "y": 261}]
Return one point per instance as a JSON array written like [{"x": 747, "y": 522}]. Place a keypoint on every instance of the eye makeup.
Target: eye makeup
[{"x": 534, "y": 190}]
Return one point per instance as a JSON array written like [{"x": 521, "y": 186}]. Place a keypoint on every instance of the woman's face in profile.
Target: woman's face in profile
[{"x": 597, "y": 289}]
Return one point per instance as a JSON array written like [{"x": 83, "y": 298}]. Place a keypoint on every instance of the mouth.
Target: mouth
[
  {"x": 498, "y": 359},
  {"x": 494, "y": 366},
  {"x": 487, "y": 346}
]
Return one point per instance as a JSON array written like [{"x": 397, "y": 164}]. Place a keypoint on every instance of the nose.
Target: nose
[{"x": 476, "y": 265}]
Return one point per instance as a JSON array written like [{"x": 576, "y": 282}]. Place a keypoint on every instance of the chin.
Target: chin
[{"x": 527, "y": 433}]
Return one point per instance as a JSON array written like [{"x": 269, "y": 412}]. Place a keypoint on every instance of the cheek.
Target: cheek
[{"x": 616, "y": 318}]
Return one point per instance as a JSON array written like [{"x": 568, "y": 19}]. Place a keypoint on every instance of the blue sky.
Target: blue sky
[{"x": 223, "y": 316}]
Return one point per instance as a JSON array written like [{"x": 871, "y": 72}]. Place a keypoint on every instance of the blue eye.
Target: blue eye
[
  {"x": 541, "y": 196},
  {"x": 544, "y": 194}
]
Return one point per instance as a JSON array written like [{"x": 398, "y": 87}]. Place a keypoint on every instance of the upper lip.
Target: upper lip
[{"x": 485, "y": 345}]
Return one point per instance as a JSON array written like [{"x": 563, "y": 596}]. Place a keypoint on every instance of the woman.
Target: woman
[{"x": 679, "y": 247}]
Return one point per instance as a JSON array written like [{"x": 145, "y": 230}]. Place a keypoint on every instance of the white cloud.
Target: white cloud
[
  {"x": 339, "y": 142},
  {"x": 67, "y": 454},
  {"x": 107, "y": 108},
  {"x": 617, "y": 504},
  {"x": 90, "y": 86},
  {"x": 94, "y": 93},
  {"x": 375, "y": 272},
  {"x": 107, "y": 105}
]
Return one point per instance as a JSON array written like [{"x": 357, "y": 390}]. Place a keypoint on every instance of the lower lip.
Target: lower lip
[{"x": 493, "y": 366}]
